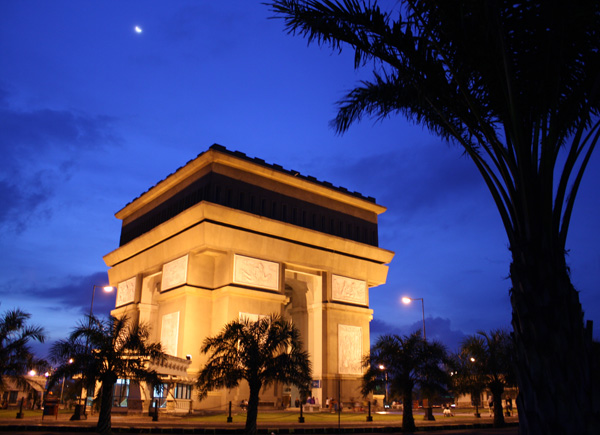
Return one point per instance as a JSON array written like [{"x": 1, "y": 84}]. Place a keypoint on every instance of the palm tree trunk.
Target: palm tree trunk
[
  {"x": 553, "y": 349},
  {"x": 408, "y": 420},
  {"x": 104, "y": 425},
  {"x": 497, "y": 388},
  {"x": 252, "y": 410}
]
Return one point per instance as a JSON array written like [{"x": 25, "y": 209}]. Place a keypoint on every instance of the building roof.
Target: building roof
[{"x": 261, "y": 162}]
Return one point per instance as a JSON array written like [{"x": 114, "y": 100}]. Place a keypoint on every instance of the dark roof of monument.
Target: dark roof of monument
[{"x": 261, "y": 162}]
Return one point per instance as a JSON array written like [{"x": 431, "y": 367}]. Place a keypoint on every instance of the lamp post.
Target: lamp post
[
  {"x": 106, "y": 288},
  {"x": 78, "y": 410},
  {"x": 62, "y": 388},
  {"x": 47, "y": 375},
  {"x": 385, "y": 391},
  {"x": 408, "y": 300}
]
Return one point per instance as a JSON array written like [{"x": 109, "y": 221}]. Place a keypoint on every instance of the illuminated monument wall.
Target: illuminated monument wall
[{"x": 227, "y": 236}]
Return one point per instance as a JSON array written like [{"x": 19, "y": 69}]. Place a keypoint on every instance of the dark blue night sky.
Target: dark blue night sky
[{"x": 93, "y": 113}]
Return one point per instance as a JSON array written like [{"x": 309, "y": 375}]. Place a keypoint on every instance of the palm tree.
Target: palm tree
[
  {"x": 260, "y": 353},
  {"x": 16, "y": 358},
  {"x": 104, "y": 351},
  {"x": 466, "y": 379},
  {"x": 409, "y": 362},
  {"x": 517, "y": 85},
  {"x": 491, "y": 358}
]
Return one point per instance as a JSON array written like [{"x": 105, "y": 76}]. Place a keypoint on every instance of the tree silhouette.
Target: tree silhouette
[
  {"x": 260, "y": 353},
  {"x": 409, "y": 362},
  {"x": 16, "y": 358},
  {"x": 466, "y": 379},
  {"x": 517, "y": 85},
  {"x": 104, "y": 351},
  {"x": 490, "y": 357}
]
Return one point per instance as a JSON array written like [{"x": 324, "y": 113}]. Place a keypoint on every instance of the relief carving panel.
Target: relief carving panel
[
  {"x": 348, "y": 290},
  {"x": 125, "y": 292},
  {"x": 255, "y": 272},
  {"x": 350, "y": 350},
  {"x": 174, "y": 273},
  {"x": 169, "y": 333}
]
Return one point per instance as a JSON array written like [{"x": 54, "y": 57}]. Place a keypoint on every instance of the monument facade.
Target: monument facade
[{"x": 228, "y": 236}]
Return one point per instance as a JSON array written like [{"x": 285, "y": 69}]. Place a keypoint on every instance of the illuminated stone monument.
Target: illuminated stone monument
[{"x": 226, "y": 237}]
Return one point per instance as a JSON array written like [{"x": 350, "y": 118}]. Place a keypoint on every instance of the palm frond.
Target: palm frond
[
  {"x": 16, "y": 357},
  {"x": 407, "y": 361},
  {"x": 261, "y": 352}
]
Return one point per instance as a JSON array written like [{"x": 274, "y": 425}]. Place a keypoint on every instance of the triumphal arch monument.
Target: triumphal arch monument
[{"x": 228, "y": 236}]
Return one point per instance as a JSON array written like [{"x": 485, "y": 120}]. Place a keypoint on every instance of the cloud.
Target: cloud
[
  {"x": 41, "y": 148},
  {"x": 59, "y": 306},
  {"x": 72, "y": 293},
  {"x": 380, "y": 327},
  {"x": 420, "y": 178},
  {"x": 437, "y": 328},
  {"x": 415, "y": 181},
  {"x": 32, "y": 129},
  {"x": 76, "y": 292},
  {"x": 40, "y": 128}
]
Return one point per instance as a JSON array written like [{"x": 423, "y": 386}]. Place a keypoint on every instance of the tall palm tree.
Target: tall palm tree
[
  {"x": 16, "y": 357},
  {"x": 491, "y": 358},
  {"x": 517, "y": 85},
  {"x": 260, "y": 353},
  {"x": 104, "y": 351},
  {"x": 409, "y": 362}
]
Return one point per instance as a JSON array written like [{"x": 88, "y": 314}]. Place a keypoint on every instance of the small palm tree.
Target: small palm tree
[
  {"x": 466, "y": 379},
  {"x": 491, "y": 358},
  {"x": 104, "y": 351},
  {"x": 260, "y": 353},
  {"x": 409, "y": 362},
  {"x": 16, "y": 358}
]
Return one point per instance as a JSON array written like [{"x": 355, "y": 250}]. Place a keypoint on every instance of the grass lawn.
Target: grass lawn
[
  {"x": 292, "y": 417},
  {"x": 265, "y": 417},
  {"x": 461, "y": 415},
  {"x": 29, "y": 413}
]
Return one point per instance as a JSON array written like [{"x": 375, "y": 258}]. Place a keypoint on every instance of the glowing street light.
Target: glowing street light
[
  {"x": 78, "y": 410},
  {"x": 62, "y": 388},
  {"x": 106, "y": 288},
  {"x": 407, "y": 300},
  {"x": 386, "y": 396}
]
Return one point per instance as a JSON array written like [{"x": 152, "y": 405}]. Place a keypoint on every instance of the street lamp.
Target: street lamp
[
  {"x": 62, "y": 388},
  {"x": 47, "y": 375},
  {"x": 106, "y": 288},
  {"x": 408, "y": 300},
  {"x": 78, "y": 411},
  {"x": 386, "y": 396}
]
